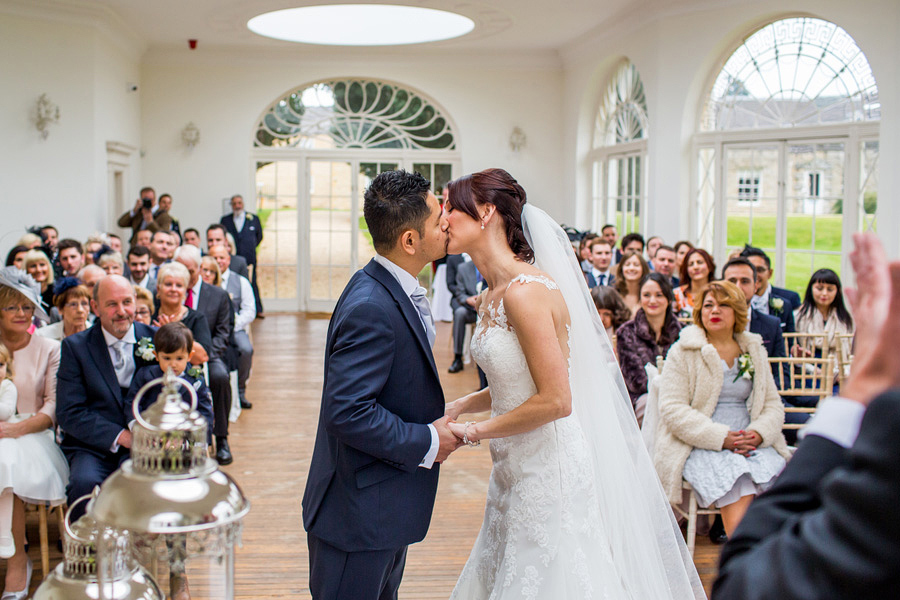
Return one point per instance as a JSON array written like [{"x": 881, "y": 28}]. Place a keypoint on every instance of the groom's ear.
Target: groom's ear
[{"x": 409, "y": 241}]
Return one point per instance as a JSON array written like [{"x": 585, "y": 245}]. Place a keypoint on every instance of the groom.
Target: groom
[{"x": 374, "y": 470}]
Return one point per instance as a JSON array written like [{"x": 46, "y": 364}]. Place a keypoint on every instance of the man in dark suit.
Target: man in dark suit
[
  {"x": 771, "y": 300},
  {"x": 247, "y": 231},
  {"x": 95, "y": 370},
  {"x": 828, "y": 527},
  {"x": 464, "y": 293},
  {"x": 664, "y": 263},
  {"x": 600, "y": 257},
  {"x": 382, "y": 430},
  {"x": 215, "y": 236},
  {"x": 214, "y": 304}
]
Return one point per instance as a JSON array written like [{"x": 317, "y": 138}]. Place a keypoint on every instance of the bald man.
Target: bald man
[{"x": 95, "y": 371}]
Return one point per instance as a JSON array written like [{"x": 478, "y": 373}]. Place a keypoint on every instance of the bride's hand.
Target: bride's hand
[
  {"x": 458, "y": 429},
  {"x": 453, "y": 409}
]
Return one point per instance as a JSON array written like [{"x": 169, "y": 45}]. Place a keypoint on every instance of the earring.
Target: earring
[{"x": 482, "y": 225}]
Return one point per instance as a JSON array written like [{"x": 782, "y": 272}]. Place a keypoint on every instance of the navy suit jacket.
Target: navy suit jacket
[
  {"x": 769, "y": 328},
  {"x": 365, "y": 489},
  {"x": 792, "y": 297},
  {"x": 248, "y": 238},
  {"x": 151, "y": 372},
  {"x": 828, "y": 527},
  {"x": 216, "y": 306},
  {"x": 89, "y": 401},
  {"x": 592, "y": 281}
]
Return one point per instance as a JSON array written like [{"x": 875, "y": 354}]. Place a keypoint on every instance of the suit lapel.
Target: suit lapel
[
  {"x": 100, "y": 355},
  {"x": 382, "y": 276}
]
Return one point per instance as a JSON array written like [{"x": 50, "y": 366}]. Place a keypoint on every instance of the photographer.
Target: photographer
[{"x": 146, "y": 214}]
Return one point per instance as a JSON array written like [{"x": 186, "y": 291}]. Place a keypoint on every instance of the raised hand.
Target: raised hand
[{"x": 448, "y": 441}]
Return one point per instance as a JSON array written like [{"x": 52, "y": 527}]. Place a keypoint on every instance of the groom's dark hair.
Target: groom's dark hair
[{"x": 394, "y": 202}]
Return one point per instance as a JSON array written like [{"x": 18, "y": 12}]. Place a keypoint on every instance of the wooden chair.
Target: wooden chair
[
  {"x": 802, "y": 377},
  {"x": 41, "y": 509},
  {"x": 691, "y": 514}
]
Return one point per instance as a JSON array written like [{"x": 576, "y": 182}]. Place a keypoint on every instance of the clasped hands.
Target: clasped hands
[
  {"x": 742, "y": 442},
  {"x": 451, "y": 433}
]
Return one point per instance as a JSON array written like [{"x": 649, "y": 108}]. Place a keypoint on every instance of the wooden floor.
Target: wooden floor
[{"x": 272, "y": 445}]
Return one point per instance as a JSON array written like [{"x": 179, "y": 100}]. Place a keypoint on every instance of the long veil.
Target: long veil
[{"x": 646, "y": 543}]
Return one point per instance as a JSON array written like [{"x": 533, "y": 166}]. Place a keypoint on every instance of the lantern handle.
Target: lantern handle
[
  {"x": 164, "y": 380},
  {"x": 67, "y": 519}
]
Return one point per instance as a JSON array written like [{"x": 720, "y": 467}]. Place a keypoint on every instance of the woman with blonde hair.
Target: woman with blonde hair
[
  {"x": 209, "y": 271},
  {"x": 37, "y": 264},
  {"x": 720, "y": 415},
  {"x": 112, "y": 263},
  {"x": 143, "y": 305}
]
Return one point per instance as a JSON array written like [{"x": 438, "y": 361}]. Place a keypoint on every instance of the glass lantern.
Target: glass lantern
[
  {"x": 76, "y": 577},
  {"x": 182, "y": 514}
]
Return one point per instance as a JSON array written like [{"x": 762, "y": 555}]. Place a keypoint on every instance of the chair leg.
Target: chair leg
[
  {"x": 45, "y": 545},
  {"x": 692, "y": 523}
]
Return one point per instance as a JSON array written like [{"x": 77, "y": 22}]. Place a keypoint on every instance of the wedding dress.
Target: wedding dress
[{"x": 574, "y": 508}]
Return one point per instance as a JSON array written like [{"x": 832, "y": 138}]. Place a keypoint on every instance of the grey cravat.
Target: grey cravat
[
  {"x": 120, "y": 364},
  {"x": 420, "y": 301}
]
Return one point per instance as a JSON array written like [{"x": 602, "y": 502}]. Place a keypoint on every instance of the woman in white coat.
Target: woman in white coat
[{"x": 720, "y": 415}]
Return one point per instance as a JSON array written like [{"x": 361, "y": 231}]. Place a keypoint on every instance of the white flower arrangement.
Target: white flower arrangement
[
  {"x": 776, "y": 304},
  {"x": 146, "y": 350},
  {"x": 745, "y": 367}
]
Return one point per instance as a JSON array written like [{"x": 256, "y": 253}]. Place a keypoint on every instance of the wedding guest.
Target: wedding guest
[
  {"x": 771, "y": 300},
  {"x": 143, "y": 238},
  {"x": 720, "y": 415},
  {"x": 50, "y": 238},
  {"x": 610, "y": 234},
  {"x": 143, "y": 305},
  {"x": 600, "y": 257},
  {"x": 115, "y": 242},
  {"x": 111, "y": 262},
  {"x": 664, "y": 263},
  {"x": 697, "y": 269},
  {"x": 247, "y": 231},
  {"x": 73, "y": 301},
  {"x": 584, "y": 250},
  {"x": 93, "y": 245},
  {"x": 682, "y": 247},
  {"x": 165, "y": 211},
  {"x": 192, "y": 237},
  {"x": 16, "y": 257},
  {"x": 216, "y": 235},
  {"x": 36, "y": 362},
  {"x": 630, "y": 271},
  {"x": 611, "y": 308},
  {"x": 30, "y": 241},
  {"x": 171, "y": 291},
  {"x": 146, "y": 214},
  {"x": 89, "y": 275},
  {"x": 71, "y": 257},
  {"x": 633, "y": 242},
  {"x": 37, "y": 264},
  {"x": 653, "y": 244},
  {"x": 161, "y": 250},
  {"x": 465, "y": 296},
  {"x": 823, "y": 312},
  {"x": 209, "y": 271},
  {"x": 650, "y": 334},
  {"x": 139, "y": 268}
]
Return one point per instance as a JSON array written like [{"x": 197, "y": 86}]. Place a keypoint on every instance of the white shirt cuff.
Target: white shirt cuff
[
  {"x": 115, "y": 445},
  {"x": 428, "y": 461},
  {"x": 837, "y": 419}
]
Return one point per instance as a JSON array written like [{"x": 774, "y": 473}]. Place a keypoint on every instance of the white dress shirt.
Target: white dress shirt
[
  {"x": 124, "y": 377},
  {"x": 409, "y": 283},
  {"x": 601, "y": 274},
  {"x": 836, "y": 419},
  {"x": 247, "y": 312},
  {"x": 761, "y": 303},
  {"x": 239, "y": 219},
  {"x": 145, "y": 282}
]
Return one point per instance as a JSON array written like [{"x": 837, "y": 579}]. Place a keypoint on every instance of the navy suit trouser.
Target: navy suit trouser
[
  {"x": 338, "y": 575},
  {"x": 86, "y": 471}
]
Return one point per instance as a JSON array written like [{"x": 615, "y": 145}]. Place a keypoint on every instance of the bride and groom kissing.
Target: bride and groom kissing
[{"x": 574, "y": 508}]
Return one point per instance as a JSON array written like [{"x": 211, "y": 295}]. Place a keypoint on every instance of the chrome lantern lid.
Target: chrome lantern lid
[
  {"x": 170, "y": 485},
  {"x": 76, "y": 577}
]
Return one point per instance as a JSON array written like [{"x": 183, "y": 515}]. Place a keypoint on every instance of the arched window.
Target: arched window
[
  {"x": 787, "y": 148},
  {"x": 315, "y": 150},
  {"x": 619, "y": 155}
]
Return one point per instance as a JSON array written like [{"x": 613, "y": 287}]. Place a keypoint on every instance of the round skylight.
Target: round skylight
[{"x": 360, "y": 25}]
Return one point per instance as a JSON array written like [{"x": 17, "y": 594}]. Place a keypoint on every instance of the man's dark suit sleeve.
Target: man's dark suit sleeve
[
  {"x": 828, "y": 528},
  {"x": 222, "y": 327},
  {"x": 452, "y": 266},
  {"x": 359, "y": 365},
  {"x": 259, "y": 229},
  {"x": 72, "y": 411}
]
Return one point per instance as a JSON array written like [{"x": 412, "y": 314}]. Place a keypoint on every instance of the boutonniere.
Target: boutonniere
[
  {"x": 195, "y": 371},
  {"x": 249, "y": 217},
  {"x": 776, "y": 304},
  {"x": 745, "y": 367},
  {"x": 145, "y": 349}
]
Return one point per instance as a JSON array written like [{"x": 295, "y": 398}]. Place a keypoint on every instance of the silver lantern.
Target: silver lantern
[
  {"x": 181, "y": 512},
  {"x": 76, "y": 577}
]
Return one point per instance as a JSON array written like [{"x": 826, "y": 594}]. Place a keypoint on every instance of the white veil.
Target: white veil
[{"x": 646, "y": 543}]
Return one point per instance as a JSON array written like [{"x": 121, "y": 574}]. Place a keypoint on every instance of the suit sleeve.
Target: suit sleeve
[
  {"x": 828, "y": 526},
  {"x": 359, "y": 365},
  {"x": 222, "y": 328},
  {"x": 125, "y": 220},
  {"x": 259, "y": 230},
  {"x": 73, "y": 412},
  {"x": 452, "y": 268},
  {"x": 137, "y": 382},
  {"x": 200, "y": 331}
]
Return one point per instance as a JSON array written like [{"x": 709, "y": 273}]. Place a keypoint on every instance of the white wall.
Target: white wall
[
  {"x": 224, "y": 93},
  {"x": 62, "y": 179}
]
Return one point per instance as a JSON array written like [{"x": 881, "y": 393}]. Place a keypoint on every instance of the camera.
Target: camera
[{"x": 146, "y": 203}]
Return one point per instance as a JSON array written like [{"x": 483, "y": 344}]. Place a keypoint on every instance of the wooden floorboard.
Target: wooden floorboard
[{"x": 272, "y": 445}]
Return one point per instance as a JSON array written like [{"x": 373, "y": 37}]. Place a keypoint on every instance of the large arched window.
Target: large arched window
[
  {"x": 619, "y": 154},
  {"x": 315, "y": 150},
  {"x": 787, "y": 151}
]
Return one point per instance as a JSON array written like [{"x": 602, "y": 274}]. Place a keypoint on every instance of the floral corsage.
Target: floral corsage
[
  {"x": 145, "y": 349},
  {"x": 745, "y": 367},
  {"x": 196, "y": 371},
  {"x": 776, "y": 304}
]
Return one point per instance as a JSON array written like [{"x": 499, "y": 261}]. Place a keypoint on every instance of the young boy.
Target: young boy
[{"x": 172, "y": 347}]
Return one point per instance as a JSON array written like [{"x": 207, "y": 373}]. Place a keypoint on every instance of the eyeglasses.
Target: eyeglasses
[
  {"x": 142, "y": 311},
  {"x": 76, "y": 304},
  {"x": 27, "y": 309},
  {"x": 762, "y": 269}
]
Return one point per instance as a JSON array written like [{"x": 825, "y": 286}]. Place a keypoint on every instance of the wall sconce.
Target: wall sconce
[
  {"x": 517, "y": 139},
  {"x": 45, "y": 114},
  {"x": 190, "y": 135}
]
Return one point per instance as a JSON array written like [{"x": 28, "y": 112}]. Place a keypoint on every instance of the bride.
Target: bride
[{"x": 574, "y": 506}]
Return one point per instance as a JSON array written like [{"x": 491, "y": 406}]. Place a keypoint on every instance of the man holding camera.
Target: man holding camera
[{"x": 146, "y": 214}]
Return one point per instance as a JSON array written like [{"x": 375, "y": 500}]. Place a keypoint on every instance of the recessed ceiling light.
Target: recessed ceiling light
[{"x": 361, "y": 25}]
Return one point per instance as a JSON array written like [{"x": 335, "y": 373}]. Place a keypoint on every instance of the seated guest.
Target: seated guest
[
  {"x": 38, "y": 265},
  {"x": 16, "y": 257},
  {"x": 171, "y": 292},
  {"x": 697, "y": 270},
  {"x": 161, "y": 250},
  {"x": 823, "y": 312},
  {"x": 215, "y": 305},
  {"x": 73, "y": 301},
  {"x": 600, "y": 256},
  {"x": 630, "y": 271},
  {"x": 95, "y": 371},
  {"x": 632, "y": 242},
  {"x": 664, "y": 263},
  {"x": 216, "y": 235},
  {"x": 93, "y": 245},
  {"x": 172, "y": 345},
  {"x": 192, "y": 237},
  {"x": 111, "y": 262},
  {"x": 26, "y": 440},
  {"x": 650, "y": 334},
  {"x": 71, "y": 257},
  {"x": 139, "y": 268},
  {"x": 464, "y": 297},
  {"x": 144, "y": 305},
  {"x": 741, "y": 273},
  {"x": 825, "y": 529},
  {"x": 209, "y": 271},
  {"x": 720, "y": 416},
  {"x": 612, "y": 309},
  {"x": 682, "y": 247},
  {"x": 115, "y": 242},
  {"x": 244, "y": 304},
  {"x": 584, "y": 250},
  {"x": 144, "y": 238},
  {"x": 30, "y": 241},
  {"x": 89, "y": 275},
  {"x": 771, "y": 300},
  {"x": 653, "y": 245}
]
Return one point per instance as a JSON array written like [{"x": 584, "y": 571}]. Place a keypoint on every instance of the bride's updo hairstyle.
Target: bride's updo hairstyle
[{"x": 497, "y": 187}]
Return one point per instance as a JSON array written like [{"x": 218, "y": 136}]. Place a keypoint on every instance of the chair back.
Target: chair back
[{"x": 803, "y": 377}]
